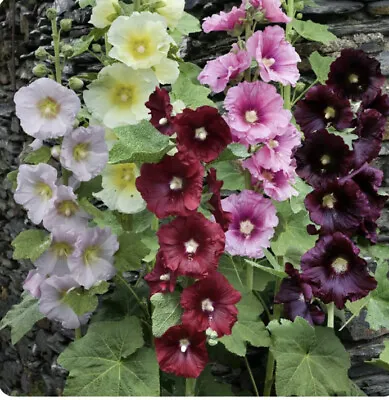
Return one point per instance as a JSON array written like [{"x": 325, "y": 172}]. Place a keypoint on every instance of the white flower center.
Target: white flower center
[
  {"x": 353, "y": 78},
  {"x": 301, "y": 297},
  {"x": 268, "y": 62},
  {"x": 201, "y": 134},
  {"x": 191, "y": 246},
  {"x": 246, "y": 227},
  {"x": 251, "y": 116},
  {"x": 325, "y": 160},
  {"x": 176, "y": 183},
  {"x": 184, "y": 344},
  {"x": 162, "y": 121},
  {"x": 141, "y": 49},
  {"x": 165, "y": 277},
  {"x": 340, "y": 265},
  {"x": 273, "y": 143},
  {"x": 329, "y": 200},
  {"x": 329, "y": 113},
  {"x": 206, "y": 305}
]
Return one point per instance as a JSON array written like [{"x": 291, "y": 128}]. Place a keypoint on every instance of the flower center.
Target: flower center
[
  {"x": 80, "y": 151},
  {"x": 268, "y": 175},
  {"x": 124, "y": 176},
  {"x": 340, "y": 265},
  {"x": 246, "y": 227},
  {"x": 273, "y": 143},
  {"x": 165, "y": 277},
  {"x": 329, "y": 113},
  {"x": 62, "y": 249},
  {"x": 206, "y": 305},
  {"x": 141, "y": 47},
  {"x": 184, "y": 344},
  {"x": 329, "y": 200},
  {"x": 325, "y": 160},
  {"x": 123, "y": 95},
  {"x": 251, "y": 116},
  {"x": 353, "y": 78},
  {"x": 176, "y": 183},
  {"x": 67, "y": 208},
  {"x": 201, "y": 134},
  {"x": 90, "y": 254},
  {"x": 44, "y": 190},
  {"x": 268, "y": 62},
  {"x": 163, "y": 121},
  {"x": 49, "y": 108},
  {"x": 191, "y": 246},
  {"x": 301, "y": 297}
]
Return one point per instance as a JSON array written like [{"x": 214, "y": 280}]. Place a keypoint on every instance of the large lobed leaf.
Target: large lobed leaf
[
  {"x": 313, "y": 31},
  {"x": 167, "y": 312},
  {"x": 31, "y": 244}
]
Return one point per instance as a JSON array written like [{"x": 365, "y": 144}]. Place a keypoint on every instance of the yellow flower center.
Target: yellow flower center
[
  {"x": 90, "y": 254},
  {"x": 325, "y": 160},
  {"x": 124, "y": 176},
  {"x": 123, "y": 95},
  {"x": 353, "y": 78},
  {"x": 44, "y": 190},
  {"x": 273, "y": 143},
  {"x": 80, "y": 151},
  {"x": 201, "y": 134},
  {"x": 329, "y": 200},
  {"x": 268, "y": 62},
  {"x": 329, "y": 113},
  {"x": 340, "y": 265},
  {"x": 62, "y": 249},
  {"x": 268, "y": 175},
  {"x": 184, "y": 344},
  {"x": 251, "y": 116},
  {"x": 140, "y": 47},
  {"x": 49, "y": 108},
  {"x": 67, "y": 208},
  {"x": 246, "y": 227},
  {"x": 176, "y": 183}
]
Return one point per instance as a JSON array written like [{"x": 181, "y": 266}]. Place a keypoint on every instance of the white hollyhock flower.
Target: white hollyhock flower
[
  {"x": 172, "y": 10},
  {"x": 104, "y": 13},
  {"x": 167, "y": 71}
]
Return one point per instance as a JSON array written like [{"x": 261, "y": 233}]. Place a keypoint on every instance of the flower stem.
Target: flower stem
[
  {"x": 248, "y": 32},
  {"x": 287, "y": 89},
  {"x": 56, "y": 39},
  {"x": 301, "y": 95},
  {"x": 136, "y": 5},
  {"x": 77, "y": 333},
  {"x": 250, "y": 277},
  {"x": 190, "y": 386},
  {"x": 330, "y": 315},
  {"x": 251, "y": 377}
]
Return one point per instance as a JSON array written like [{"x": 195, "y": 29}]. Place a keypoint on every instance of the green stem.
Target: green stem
[
  {"x": 301, "y": 95},
  {"x": 77, "y": 333},
  {"x": 136, "y": 5},
  {"x": 155, "y": 224},
  {"x": 330, "y": 315},
  {"x": 250, "y": 277},
  {"x": 65, "y": 176},
  {"x": 287, "y": 89},
  {"x": 247, "y": 34},
  {"x": 251, "y": 376},
  {"x": 107, "y": 45},
  {"x": 264, "y": 305},
  {"x": 190, "y": 387},
  {"x": 56, "y": 39}
]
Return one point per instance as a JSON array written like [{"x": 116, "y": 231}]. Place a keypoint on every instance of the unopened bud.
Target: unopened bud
[
  {"x": 67, "y": 50},
  {"x": 299, "y": 16},
  {"x": 55, "y": 152},
  {"x": 212, "y": 342},
  {"x": 40, "y": 70},
  {"x": 211, "y": 333},
  {"x": 96, "y": 48},
  {"x": 299, "y": 5},
  {"x": 300, "y": 86},
  {"x": 51, "y": 14},
  {"x": 66, "y": 24},
  {"x": 75, "y": 83},
  {"x": 41, "y": 53}
]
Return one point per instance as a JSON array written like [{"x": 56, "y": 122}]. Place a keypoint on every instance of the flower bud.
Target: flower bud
[
  {"x": 299, "y": 5},
  {"x": 67, "y": 50},
  {"x": 66, "y": 24},
  {"x": 40, "y": 70},
  {"x": 41, "y": 53},
  {"x": 96, "y": 48},
  {"x": 211, "y": 333},
  {"x": 213, "y": 342},
  {"x": 300, "y": 86},
  {"x": 51, "y": 14},
  {"x": 299, "y": 16},
  {"x": 55, "y": 152},
  {"x": 75, "y": 83}
]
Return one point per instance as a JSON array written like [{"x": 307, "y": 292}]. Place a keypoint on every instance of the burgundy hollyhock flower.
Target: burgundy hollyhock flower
[
  {"x": 202, "y": 133},
  {"x": 223, "y": 218},
  {"x": 322, "y": 157},
  {"x": 161, "y": 111},
  {"x": 335, "y": 271},
  {"x": 356, "y": 75},
  {"x": 322, "y": 107},
  {"x": 181, "y": 351},
  {"x": 161, "y": 279},
  {"x": 171, "y": 187},
  {"x": 191, "y": 245},
  {"x": 210, "y": 303},
  {"x": 296, "y": 296},
  {"x": 381, "y": 104}
]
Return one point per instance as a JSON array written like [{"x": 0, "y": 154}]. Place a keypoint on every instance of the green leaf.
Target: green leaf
[
  {"x": 379, "y": 251},
  {"x": 347, "y": 135},
  {"x": 383, "y": 361},
  {"x": 12, "y": 178},
  {"x": 85, "y": 3},
  {"x": 309, "y": 361},
  {"x": 109, "y": 361},
  {"x": 188, "y": 24},
  {"x": 313, "y": 31},
  {"x": 207, "y": 385},
  {"x": 167, "y": 312},
  {"x": 142, "y": 221},
  {"x": 234, "y": 151},
  {"x": 139, "y": 143},
  {"x": 131, "y": 252},
  {"x": 231, "y": 174},
  {"x": 31, "y": 244},
  {"x": 22, "y": 317},
  {"x": 272, "y": 260},
  {"x": 81, "y": 45},
  {"x": 297, "y": 202},
  {"x": 42, "y": 155},
  {"x": 267, "y": 270},
  {"x": 87, "y": 189},
  {"x": 321, "y": 66},
  {"x": 150, "y": 240}
]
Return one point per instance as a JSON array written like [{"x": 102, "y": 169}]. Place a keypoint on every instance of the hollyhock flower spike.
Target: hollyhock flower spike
[
  {"x": 210, "y": 303},
  {"x": 277, "y": 59},
  {"x": 224, "y": 21},
  {"x": 181, "y": 351},
  {"x": 253, "y": 222},
  {"x": 46, "y": 109},
  {"x": 336, "y": 272},
  {"x": 202, "y": 133},
  {"x": 191, "y": 245},
  {"x": 161, "y": 279},
  {"x": 271, "y": 9},
  {"x": 36, "y": 190},
  {"x": 33, "y": 282},
  {"x": 161, "y": 111},
  {"x": 172, "y": 186},
  {"x": 296, "y": 296}
]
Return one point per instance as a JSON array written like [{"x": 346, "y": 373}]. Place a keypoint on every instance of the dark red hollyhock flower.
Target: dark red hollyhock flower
[
  {"x": 172, "y": 186},
  {"x": 181, "y": 351},
  {"x": 161, "y": 279},
  {"x": 191, "y": 245},
  {"x": 222, "y": 217},
  {"x": 296, "y": 296},
  {"x": 202, "y": 133},
  {"x": 338, "y": 206},
  {"x": 209, "y": 303},
  {"x": 161, "y": 111},
  {"x": 356, "y": 75},
  {"x": 370, "y": 131},
  {"x": 322, "y": 158},
  {"x": 381, "y": 104},
  {"x": 335, "y": 271},
  {"x": 321, "y": 108}
]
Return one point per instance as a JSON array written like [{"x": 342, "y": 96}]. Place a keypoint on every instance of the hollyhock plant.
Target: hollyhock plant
[
  {"x": 296, "y": 296},
  {"x": 322, "y": 107},
  {"x": 277, "y": 59},
  {"x": 271, "y": 9},
  {"x": 253, "y": 222},
  {"x": 161, "y": 111},
  {"x": 181, "y": 351},
  {"x": 210, "y": 303},
  {"x": 224, "y": 21},
  {"x": 46, "y": 109},
  {"x": 191, "y": 245},
  {"x": 336, "y": 272},
  {"x": 36, "y": 190},
  {"x": 255, "y": 111},
  {"x": 202, "y": 133},
  {"x": 104, "y": 13},
  {"x": 161, "y": 279},
  {"x": 171, "y": 10},
  {"x": 172, "y": 186},
  {"x": 84, "y": 152},
  {"x": 33, "y": 282}
]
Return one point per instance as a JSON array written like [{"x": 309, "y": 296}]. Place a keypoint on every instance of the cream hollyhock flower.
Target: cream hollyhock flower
[
  {"x": 167, "y": 71},
  {"x": 104, "y": 13},
  {"x": 172, "y": 10},
  {"x": 118, "y": 96},
  {"x": 140, "y": 41},
  {"x": 119, "y": 190}
]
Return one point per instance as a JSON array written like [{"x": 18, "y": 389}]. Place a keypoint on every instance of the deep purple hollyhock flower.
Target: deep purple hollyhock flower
[
  {"x": 322, "y": 157},
  {"x": 356, "y": 75},
  {"x": 161, "y": 111},
  {"x": 296, "y": 296},
  {"x": 171, "y": 187},
  {"x": 202, "y": 133},
  {"x": 380, "y": 103},
  {"x": 338, "y": 207},
  {"x": 191, "y": 245},
  {"x": 181, "y": 351},
  {"x": 322, "y": 107},
  {"x": 161, "y": 279},
  {"x": 210, "y": 303},
  {"x": 335, "y": 271}
]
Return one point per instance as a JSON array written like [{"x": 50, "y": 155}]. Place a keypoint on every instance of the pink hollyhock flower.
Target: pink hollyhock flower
[
  {"x": 217, "y": 73},
  {"x": 277, "y": 58},
  {"x": 172, "y": 186},
  {"x": 253, "y": 221},
  {"x": 272, "y": 10},
  {"x": 277, "y": 185},
  {"x": 33, "y": 282},
  {"x": 255, "y": 111},
  {"x": 161, "y": 111},
  {"x": 181, "y": 351},
  {"x": 210, "y": 303},
  {"x": 191, "y": 245},
  {"x": 224, "y": 21}
]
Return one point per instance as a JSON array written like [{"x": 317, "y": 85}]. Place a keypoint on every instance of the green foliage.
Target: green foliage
[
  {"x": 109, "y": 361},
  {"x": 22, "y": 317},
  {"x": 313, "y": 31},
  {"x": 297, "y": 202},
  {"x": 86, "y": 3},
  {"x": 142, "y": 221},
  {"x": 231, "y": 173},
  {"x": 275, "y": 272},
  {"x": 30, "y": 244},
  {"x": 186, "y": 25},
  {"x": 383, "y": 361},
  {"x": 139, "y": 143},
  {"x": 167, "y": 312},
  {"x": 207, "y": 385},
  {"x": 87, "y": 189},
  {"x": 311, "y": 361},
  {"x": 234, "y": 151},
  {"x": 150, "y": 240},
  {"x": 82, "y": 44},
  {"x": 347, "y": 135},
  {"x": 130, "y": 253},
  {"x": 12, "y": 178},
  {"x": 42, "y": 155},
  {"x": 321, "y": 66}
]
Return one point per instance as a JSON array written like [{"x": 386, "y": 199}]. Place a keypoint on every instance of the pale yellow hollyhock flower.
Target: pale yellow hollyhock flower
[
  {"x": 167, "y": 71},
  {"x": 172, "y": 10},
  {"x": 118, "y": 96},
  {"x": 104, "y": 13},
  {"x": 119, "y": 190},
  {"x": 139, "y": 41},
  {"x": 110, "y": 136}
]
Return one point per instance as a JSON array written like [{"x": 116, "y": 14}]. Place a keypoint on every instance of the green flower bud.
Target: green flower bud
[
  {"x": 51, "y": 14},
  {"x": 67, "y": 50},
  {"x": 299, "y": 16},
  {"x": 299, "y": 5},
  {"x": 96, "y": 48},
  {"x": 41, "y": 53},
  {"x": 40, "y": 70},
  {"x": 212, "y": 342},
  {"x": 211, "y": 333},
  {"x": 300, "y": 86},
  {"x": 75, "y": 83},
  {"x": 66, "y": 24}
]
